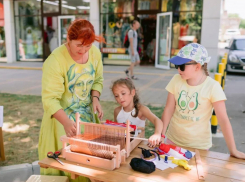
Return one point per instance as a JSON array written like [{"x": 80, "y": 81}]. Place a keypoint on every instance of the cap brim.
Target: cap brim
[{"x": 179, "y": 60}]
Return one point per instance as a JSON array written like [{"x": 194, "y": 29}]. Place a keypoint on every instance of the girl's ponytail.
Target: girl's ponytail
[
  {"x": 136, "y": 104},
  {"x": 205, "y": 68}
]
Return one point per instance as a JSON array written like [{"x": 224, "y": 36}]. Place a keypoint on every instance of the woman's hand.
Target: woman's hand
[
  {"x": 97, "y": 107},
  {"x": 154, "y": 140},
  {"x": 238, "y": 154},
  {"x": 70, "y": 128}
]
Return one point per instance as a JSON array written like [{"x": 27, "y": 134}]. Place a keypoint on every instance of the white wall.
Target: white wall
[
  {"x": 210, "y": 29},
  {"x": 94, "y": 17},
  {"x": 9, "y": 30}
]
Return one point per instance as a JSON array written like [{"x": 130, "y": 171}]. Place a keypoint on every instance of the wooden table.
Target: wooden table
[{"x": 217, "y": 167}]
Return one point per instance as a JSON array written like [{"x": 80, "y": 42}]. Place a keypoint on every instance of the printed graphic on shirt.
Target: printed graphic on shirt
[
  {"x": 80, "y": 81},
  {"x": 188, "y": 118},
  {"x": 191, "y": 103},
  {"x": 182, "y": 101}
]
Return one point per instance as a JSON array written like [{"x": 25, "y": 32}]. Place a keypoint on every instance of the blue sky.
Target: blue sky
[{"x": 235, "y": 6}]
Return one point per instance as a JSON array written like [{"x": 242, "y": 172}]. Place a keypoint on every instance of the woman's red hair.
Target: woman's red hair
[{"x": 83, "y": 30}]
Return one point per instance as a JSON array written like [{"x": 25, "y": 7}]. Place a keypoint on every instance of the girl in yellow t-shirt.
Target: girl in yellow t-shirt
[{"x": 191, "y": 99}]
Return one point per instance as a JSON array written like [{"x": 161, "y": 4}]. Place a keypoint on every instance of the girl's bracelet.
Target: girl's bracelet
[
  {"x": 163, "y": 136},
  {"x": 97, "y": 97}
]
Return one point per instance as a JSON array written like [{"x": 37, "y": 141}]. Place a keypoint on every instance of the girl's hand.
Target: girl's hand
[
  {"x": 70, "y": 128},
  {"x": 162, "y": 140},
  {"x": 97, "y": 107},
  {"x": 154, "y": 140},
  {"x": 238, "y": 154}
]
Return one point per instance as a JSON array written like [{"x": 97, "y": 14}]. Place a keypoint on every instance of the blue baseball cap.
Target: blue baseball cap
[{"x": 192, "y": 51}]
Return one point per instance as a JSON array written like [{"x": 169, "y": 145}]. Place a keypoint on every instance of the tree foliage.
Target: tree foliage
[
  {"x": 242, "y": 24},
  {"x": 234, "y": 15}
]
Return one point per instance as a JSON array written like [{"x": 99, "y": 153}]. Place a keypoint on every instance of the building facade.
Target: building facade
[{"x": 33, "y": 28}]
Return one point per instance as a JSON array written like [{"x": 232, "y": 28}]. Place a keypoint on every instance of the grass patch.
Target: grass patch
[{"x": 22, "y": 121}]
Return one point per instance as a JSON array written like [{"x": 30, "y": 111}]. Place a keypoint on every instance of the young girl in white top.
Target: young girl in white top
[
  {"x": 130, "y": 109},
  {"x": 191, "y": 99}
]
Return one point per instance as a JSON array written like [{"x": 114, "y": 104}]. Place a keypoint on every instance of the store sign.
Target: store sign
[
  {"x": 119, "y": 56},
  {"x": 113, "y": 50}
]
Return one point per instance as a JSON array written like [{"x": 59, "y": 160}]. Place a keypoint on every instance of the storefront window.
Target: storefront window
[
  {"x": 75, "y": 7},
  {"x": 116, "y": 17},
  {"x": 37, "y": 31},
  {"x": 167, "y": 5},
  {"x": 148, "y": 4},
  {"x": 2, "y": 33},
  {"x": 2, "y": 42},
  {"x": 116, "y": 20},
  {"x": 117, "y": 6},
  {"x": 85, "y": 17},
  {"x": 29, "y": 38},
  {"x": 50, "y": 6},
  {"x": 187, "y": 5},
  {"x": 186, "y": 29},
  {"x": 27, "y": 8},
  {"x": 114, "y": 28}
]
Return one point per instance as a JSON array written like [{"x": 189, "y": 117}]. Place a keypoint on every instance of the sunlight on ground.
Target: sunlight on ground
[
  {"x": 26, "y": 139},
  {"x": 17, "y": 120},
  {"x": 33, "y": 123},
  {"x": 34, "y": 147},
  {"x": 8, "y": 127}
]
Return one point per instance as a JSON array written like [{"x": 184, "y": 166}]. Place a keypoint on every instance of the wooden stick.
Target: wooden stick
[
  {"x": 2, "y": 155},
  {"x": 105, "y": 126},
  {"x": 127, "y": 145},
  {"x": 200, "y": 172},
  {"x": 77, "y": 123},
  {"x": 145, "y": 139}
]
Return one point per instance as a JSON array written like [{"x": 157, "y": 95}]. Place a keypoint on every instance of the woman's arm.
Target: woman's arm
[
  {"x": 52, "y": 90},
  {"x": 98, "y": 83},
  {"x": 69, "y": 125},
  {"x": 224, "y": 122},
  {"x": 156, "y": 137},
  {"x": 96, "y": 103},
  {"x": 168, "y": 112}
]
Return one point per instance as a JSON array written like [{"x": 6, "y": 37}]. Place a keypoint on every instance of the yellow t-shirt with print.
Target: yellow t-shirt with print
[{"x": 190, "y": 124}]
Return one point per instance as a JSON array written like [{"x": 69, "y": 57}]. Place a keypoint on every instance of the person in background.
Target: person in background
[{"x": 134, "y": 55}]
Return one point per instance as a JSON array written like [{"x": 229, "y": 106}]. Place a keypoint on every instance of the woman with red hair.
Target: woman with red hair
[{"x": 72, "y": 82}]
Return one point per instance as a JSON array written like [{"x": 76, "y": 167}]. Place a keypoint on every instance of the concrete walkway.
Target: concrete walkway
[{"x": 25, "y": 78}]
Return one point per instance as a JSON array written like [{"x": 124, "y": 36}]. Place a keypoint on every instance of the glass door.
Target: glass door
[
  {"x": 63, "y": 25},
  {"x": 163, "y": 40},
  {"x": 147, "y": 38},
  {"x": 50, "y": 35}
]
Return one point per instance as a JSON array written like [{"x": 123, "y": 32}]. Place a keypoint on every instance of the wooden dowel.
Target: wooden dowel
[
  {"x": 2, "y": 155},
  {"x": 145, "y": 139}
]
